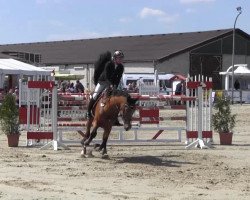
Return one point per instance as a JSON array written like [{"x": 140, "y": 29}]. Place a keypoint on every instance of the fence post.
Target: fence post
[
  {"x": 199, "y": 141},
  {"x": 54, "y": 143}
]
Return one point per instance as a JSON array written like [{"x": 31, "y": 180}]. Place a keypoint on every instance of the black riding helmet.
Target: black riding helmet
[{"x": 118, "y": 54}]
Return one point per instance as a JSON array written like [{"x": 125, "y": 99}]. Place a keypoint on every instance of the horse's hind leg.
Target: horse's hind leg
[
  {"x": 92, "y": 136},
  {"x": 88, "y": 127},
  {"x": 103, "y": 146}
]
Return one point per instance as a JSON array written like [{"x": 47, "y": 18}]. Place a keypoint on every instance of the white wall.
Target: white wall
[{"x": 144, "y": 67}]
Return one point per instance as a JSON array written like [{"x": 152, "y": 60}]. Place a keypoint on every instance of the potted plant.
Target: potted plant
[
  {"x": 223, "y": 121},
  {"x": 9, "y": 118}
]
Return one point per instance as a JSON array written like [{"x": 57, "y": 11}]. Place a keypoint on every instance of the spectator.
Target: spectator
[
  {"x": 134, "y": 87},
  {"x": 16, "y": 94},
  {"x": 237, "y": 84},
  {"x": 63, "y": 86},
  {"x": 79, "y": 87},
  {"x": 179, "y": 88},
  {"x": 71, "y": 88},
  {"x": 130, "y": 87}
]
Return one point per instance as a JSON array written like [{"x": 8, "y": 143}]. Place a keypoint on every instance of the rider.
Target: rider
[{"x": 108, "y": 73}]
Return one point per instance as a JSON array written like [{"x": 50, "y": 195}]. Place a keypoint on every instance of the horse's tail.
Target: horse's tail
[{"x": 100, "y": 65}]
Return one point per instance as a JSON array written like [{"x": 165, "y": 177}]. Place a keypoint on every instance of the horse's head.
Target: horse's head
[{"x": 127, "y": 112}]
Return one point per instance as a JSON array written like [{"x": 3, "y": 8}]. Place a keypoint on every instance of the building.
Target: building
[{"x": 206, "y": 53}]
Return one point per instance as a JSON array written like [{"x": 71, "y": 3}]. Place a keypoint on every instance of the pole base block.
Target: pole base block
[
  {"x": 55, "y": 144},
  {"x": 199, "y": 143}
]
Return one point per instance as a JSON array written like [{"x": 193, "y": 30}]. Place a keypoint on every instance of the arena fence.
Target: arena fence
[{"x": 47, "y": 115}]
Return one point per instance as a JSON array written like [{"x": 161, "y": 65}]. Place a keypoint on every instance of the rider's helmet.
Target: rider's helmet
[{"x": 118, "y": 54}]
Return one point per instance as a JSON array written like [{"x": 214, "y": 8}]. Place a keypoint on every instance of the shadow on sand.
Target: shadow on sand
[{"x": 153, "y": 160}]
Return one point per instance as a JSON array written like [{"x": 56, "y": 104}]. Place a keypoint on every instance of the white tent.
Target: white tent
[
  {"x": 10, "y": 66},
  {"x": 240, "y": 70}
]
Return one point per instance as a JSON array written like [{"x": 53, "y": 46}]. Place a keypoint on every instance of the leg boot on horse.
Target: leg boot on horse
[
  {"x": 103, "y": 149},
  {"x": 103, "y": 146},
  {"x": 88, "y": 127},
  {"x": 88, "y": 141}
]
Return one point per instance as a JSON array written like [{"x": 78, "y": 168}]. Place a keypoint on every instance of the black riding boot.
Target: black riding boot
[
  {"x": 90, "y": 106},
  {"x": 117, "y": 123}
]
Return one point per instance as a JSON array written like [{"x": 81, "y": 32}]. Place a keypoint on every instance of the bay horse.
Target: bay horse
[{"x": 106, "y": 111}]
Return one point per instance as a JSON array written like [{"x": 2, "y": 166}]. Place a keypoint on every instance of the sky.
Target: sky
[{"x": 26, "y": 21}]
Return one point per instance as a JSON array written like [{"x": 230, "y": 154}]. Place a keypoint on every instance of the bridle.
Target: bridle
[
  {"x": 124, "y": 109},
  {"x": 121, "y": 110}
]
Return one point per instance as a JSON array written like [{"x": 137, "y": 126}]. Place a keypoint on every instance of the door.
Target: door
[{"x": 208, "y": 66}]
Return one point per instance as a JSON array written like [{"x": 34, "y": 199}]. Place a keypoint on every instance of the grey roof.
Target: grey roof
[{"x": 141, "y": 48}]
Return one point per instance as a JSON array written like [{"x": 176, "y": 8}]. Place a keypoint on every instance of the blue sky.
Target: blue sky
[{"x": 23, "y": 21}]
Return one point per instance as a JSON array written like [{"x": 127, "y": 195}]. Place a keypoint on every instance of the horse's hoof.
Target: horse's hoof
[
  {"x": 87, "y": 155},
  {"x": 83, "y": 154},
  {"x": 82, "y": 142},
  {"x": 105, "y": 156},
  {"x": 96, "y": 146}
]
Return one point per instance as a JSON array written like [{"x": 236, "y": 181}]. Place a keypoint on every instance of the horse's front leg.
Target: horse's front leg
[
  {"x": 103, "y": 146},
  {"x": 89, "y": 140}
]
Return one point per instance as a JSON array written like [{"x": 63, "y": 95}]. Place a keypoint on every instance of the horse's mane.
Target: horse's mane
[
  {"x": 100, "y": 65},
  {"x": 116, "y": 93},
  {"x": 123, "y": 93}
]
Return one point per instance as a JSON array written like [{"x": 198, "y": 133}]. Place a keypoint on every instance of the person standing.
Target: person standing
[
  {"x": 179, "y": 88},
  {"x": 237, "y": 84}
]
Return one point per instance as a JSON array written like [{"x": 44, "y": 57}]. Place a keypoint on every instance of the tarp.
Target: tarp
[{"x": 12, "y": 67}]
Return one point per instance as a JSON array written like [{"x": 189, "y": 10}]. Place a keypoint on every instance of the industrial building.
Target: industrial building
[{"x": 205, "y": 52}]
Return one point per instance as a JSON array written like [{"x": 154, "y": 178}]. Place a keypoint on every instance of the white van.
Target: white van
[
  {"x": 130, "y": 78},
  {"x": 167, "y": 82}
]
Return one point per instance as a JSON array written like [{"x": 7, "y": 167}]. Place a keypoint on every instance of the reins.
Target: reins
[{"x": 120, "y": 109}]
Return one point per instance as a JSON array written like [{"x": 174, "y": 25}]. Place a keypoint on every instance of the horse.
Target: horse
[{"x": 106, "y": 112}]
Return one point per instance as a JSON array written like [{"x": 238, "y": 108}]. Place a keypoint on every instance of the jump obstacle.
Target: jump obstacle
[{"x": 46, "y": 114}]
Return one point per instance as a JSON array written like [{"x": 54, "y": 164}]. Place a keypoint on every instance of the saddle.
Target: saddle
[{"x": 104, "y": 97}]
